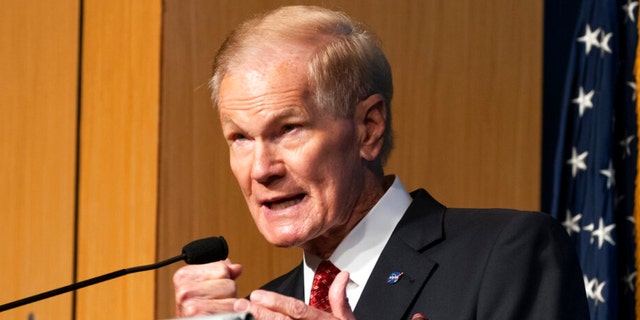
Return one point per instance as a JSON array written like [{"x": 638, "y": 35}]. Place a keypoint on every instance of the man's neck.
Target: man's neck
[{"x": 326, "y": 244}]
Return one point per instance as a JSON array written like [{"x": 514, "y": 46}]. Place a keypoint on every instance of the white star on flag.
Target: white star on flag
[
  {"x": 583, "y": 100},
  {"x": 634, "y": 87},
  {"x": 590, "y": 38},
  {"x": 594, "y": 288},
  {"x": 628, "y": 9},
  {"x": 571, "y": 223},
  {"x": 610, "y": 173},
  {"x": 630, "y": 280},
  {"x": 604, "y": 41},
  {"x": 631, "y": 219},
  {"x": 577, "y": 161},
  {"x": 603, "y": 233},
  {"x": 626, "y": 143}
]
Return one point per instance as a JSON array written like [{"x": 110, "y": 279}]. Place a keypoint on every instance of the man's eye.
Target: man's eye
[
  {"x": 288, "y": 128},
  {"x": 238, "y": 137}
]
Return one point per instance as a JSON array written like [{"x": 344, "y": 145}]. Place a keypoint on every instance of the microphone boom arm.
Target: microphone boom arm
[
  {"x": 196, "y": 252},
  {"x": 88, "y": 282}
]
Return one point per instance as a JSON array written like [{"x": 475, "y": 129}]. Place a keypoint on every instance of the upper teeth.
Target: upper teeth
[{"x": 284, "y": 204}]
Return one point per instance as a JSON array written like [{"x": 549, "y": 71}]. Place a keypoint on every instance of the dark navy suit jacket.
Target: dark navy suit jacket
[{"x": 469, "y": 264}]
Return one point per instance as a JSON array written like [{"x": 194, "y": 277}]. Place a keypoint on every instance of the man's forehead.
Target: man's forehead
[
  {"x": 270, "y": 54},
  {"x": 259, "y": 78},
  {"x": 265, "y": 61}
]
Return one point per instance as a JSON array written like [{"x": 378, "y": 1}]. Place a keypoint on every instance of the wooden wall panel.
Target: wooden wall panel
[
  {"x": 118, "y": 163},
  {"x": 466, "y": 112},
  {"x": 468, "y": 103},
  {"x": 38, "y": 89}
]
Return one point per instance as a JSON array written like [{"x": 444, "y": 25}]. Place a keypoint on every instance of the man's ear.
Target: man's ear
[{"x": 371, "y": 116}]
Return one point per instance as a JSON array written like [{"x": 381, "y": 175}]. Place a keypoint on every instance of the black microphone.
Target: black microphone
[{"x": 196, "y": 252}]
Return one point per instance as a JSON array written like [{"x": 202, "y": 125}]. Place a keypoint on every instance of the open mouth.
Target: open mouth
[{"x": 284, "y": 202}]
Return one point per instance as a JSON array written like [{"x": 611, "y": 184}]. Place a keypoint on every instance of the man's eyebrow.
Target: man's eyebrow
[
  {"x": 228, "y": 120},
  {"x": 291, "y": 111},
  {"x": 274, "y": 116}
]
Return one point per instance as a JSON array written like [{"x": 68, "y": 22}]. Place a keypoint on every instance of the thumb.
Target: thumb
[
  {"x": 338, "y": 297},
  {"x": 235, "y": 270}
]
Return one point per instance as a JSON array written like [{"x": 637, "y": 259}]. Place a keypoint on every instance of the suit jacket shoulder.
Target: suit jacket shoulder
[{"x": 475, "y": 264}]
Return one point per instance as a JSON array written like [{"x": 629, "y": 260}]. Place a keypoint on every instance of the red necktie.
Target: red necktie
[{"x": 322, "y": 280}]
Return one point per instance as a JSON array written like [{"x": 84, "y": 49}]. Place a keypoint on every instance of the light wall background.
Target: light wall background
[{"x": 112, "y": 156}]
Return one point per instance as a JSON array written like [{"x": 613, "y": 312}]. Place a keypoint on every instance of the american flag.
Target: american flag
[{"x": 596, "y": 160}]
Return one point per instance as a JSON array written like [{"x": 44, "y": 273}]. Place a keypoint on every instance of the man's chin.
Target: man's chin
[{"x": 284, "y": 242}]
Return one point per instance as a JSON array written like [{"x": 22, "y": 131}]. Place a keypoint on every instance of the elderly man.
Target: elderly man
[{"x": 304, "y": 97}]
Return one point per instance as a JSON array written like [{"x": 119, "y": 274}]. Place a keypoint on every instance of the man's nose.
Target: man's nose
[{"x": 267, "y": 164}]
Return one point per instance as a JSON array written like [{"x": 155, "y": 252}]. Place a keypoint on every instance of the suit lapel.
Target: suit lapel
[
  {"x": 420, "y": 227},
  {"x": 290, "y": 284}
]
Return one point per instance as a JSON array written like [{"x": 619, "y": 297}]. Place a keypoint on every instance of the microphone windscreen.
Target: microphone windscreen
[{"x": 205, "y": 250}]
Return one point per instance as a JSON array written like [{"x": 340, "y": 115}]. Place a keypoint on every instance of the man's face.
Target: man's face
[{"x": 299, "y": 168}]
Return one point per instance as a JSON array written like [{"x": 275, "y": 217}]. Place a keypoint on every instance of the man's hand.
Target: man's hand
[
  {"x": 269, "y": 305},
  {"x": 206, "y": 288}
]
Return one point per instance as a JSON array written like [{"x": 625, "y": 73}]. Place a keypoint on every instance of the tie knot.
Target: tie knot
[
  {"x": 327, "y": 269},
  {"x": 322, "y": 280}
]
